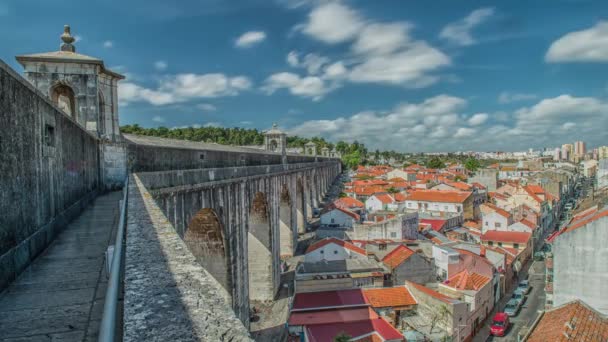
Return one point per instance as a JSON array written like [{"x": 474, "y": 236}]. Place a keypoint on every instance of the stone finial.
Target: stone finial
[{"x": 67, "y": 39}]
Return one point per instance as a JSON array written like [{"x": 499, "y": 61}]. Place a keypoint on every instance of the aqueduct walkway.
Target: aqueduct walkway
[{"x": 60, "y": 296}]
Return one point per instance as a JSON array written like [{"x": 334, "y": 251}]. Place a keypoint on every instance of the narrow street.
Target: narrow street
[{"x": 535, "y": 301}]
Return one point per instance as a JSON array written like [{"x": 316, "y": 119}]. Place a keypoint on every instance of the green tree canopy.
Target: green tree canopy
[
  {"x": 435, "y": 163},
  {"x": 472, "y": 164}
]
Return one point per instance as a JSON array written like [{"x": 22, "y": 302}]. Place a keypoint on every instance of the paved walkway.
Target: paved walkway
[{"x": 60, "y": 296}]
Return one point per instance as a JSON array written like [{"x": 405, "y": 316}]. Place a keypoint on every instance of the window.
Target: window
[
  {"x": 497, "y": 224},
  {"x": 49, "y": 135},
  {"x": 487, "y": 223},
  {"x": 201, "y": 156},
  {"x": 333, "y": 220},
  {"x": 516, "y": 245},
  {"x": 490, "y": 243},
  {"x": 458, "y": 208},
  {"x": 445, "y": 207},
  {"x": 335, "y": 252},
  {"x": 393, "y": 234},
  {"x": 500, "y": 244},
  {"x": 322, "y": 252},
  {"x": 382, "y": 246}
]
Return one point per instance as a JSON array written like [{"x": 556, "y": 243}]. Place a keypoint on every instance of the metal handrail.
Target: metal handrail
[{"x": 107, "y": 330}]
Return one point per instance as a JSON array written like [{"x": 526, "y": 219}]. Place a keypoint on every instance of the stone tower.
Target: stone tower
[
  {"x": 310, "y": 148},
  {"x": 275, "y": 140},
  {"x": 80, "y": 85},
  {"x": 85, "y": 90}
]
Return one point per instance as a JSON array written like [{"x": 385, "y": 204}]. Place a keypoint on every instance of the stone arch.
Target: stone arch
[
  {"x": 259, "y": 249},
  {"x": 205, "y": 238},
  {"x": 300, "y": 207},
  {"x": 63, "y": 96},
  {"x": 285, "y": 222},
  {"x": 274, "y": 145}
]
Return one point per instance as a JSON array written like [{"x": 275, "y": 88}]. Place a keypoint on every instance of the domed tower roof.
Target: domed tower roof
[{"x": 274, "y": 131}]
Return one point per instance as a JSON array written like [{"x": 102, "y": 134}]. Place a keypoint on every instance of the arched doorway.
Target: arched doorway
[
  {"x": 205, "y": 240},
  {"x": 259, "y": 250},
  {"x": 285, "y": 230},
  {"x": 63, "y": 96}
]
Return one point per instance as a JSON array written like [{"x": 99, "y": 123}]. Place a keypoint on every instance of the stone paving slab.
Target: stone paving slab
[{"x": 59, "y": 297}]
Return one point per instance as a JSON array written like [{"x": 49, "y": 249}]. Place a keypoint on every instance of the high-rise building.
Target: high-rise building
[
  {"x": 568, "y": 152},
  {"x": 580, "y": 148},
  {"x": 602, "y": 152},
  {"x": 556, "y": 154}
]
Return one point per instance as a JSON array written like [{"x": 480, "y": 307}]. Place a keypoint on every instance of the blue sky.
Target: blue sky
[{"x": 405, "y": 75}]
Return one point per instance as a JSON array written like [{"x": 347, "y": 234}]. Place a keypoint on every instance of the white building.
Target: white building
[
  {"x": 338, "y": 217},
  {"x": 494, "y": 218},
  {"x": 331, "y": 249},
  {"x": 444, "y": 256}
]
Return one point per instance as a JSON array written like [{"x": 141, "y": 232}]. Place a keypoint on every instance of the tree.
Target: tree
[
  {"x": 435, "y": 163},
  {"x": 472, "y": 164},
  {"x": 342, "y": 337},
  {"x": 352, "y": 160},
  {"x": 440, "y": 314},
  {"x": 392, "y": 190}
]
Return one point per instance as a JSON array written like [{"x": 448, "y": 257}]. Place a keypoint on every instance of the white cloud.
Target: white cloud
[
  {"x": 108, "y": 44},
  {"x": 590, "y": 45},
  {"x": 382, "y": 53},
  {"x": 207, "y": 107},
  {"x": 507, "y": 97},
  {"x": 402, "y": 128},
  {"x": 184, "y": 87},
  {"x": 409, "y": 67},
  {"x": 309, "y": 86},
  {"x": 78, "y": 38},
  {"x": 160, "y": 65},
  {"x": 250, "y": 38},
  {"x": 436, "y": 124},
  {"x": 158, "y": 119},
  {"x": 333, "y": 23},
  {"x": 460, "y": 32},
  {"x": 293, "y": 59},
  {"x": 478, "y": 119},
  {"x": 382, "y": 38}
]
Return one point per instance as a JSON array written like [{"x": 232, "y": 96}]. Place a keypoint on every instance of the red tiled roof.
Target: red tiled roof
[
  {"x": 466, "y": 280},
  {"x": 478, "y": 185},
  {"x": 503, "y": 236},
  {"x": 574, "y": 321},
  {"x": 389, "y": 297},
  {"x": 472, "y": 224},
  {"x": 367, "y": 190},
  {"x": 436, "y": 224},
  {"x": 348, "y": 202},
  {"x": 430, "y": 292},
  {"x": 498, "y": 210},
  {"x": 397, "y": 256},
  {"x": 399, "y": 197},
  {"x": 439, "y": 196},
  {"x": 532, "y": 194},
  {"x": 338, "y": 242},
  {"x": 397, "y": 180},
  {"x": 531, "y": 225},
  {"x": 331, "y": 316},
  {"x": 329, "y": 299},
  {"x": 356, "y": 330}
]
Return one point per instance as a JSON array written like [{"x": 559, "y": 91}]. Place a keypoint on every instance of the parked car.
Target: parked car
[
  {"x": 512, "y": 307},
  {"x": 519, "y": 296},
  {"x": 524, "y": 285},
  {"x": 500, "y": 324}
]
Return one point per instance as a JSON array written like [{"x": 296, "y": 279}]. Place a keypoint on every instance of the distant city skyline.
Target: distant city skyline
[{"x": 391, "y": 75}]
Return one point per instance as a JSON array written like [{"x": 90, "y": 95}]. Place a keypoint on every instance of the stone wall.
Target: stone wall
[
  {"x": 169, "y": 296},
  {"x": 49, "y": 167},
  {"x": 158, "y": 154}
]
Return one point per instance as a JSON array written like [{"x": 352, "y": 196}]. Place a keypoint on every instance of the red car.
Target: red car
[{"x": 500, "y": 324}]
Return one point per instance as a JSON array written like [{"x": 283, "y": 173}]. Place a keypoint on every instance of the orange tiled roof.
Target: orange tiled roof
[
  {"x": 503, "y": 236},
  {"x": 397, "y": 256},
  {"x": 460, "y": 185},
  {"x": 399, "y": 197},
  {"x": 385, "y": 198},
  {"x": 574, "y": 321},
  {"x": 439, "y": 196},
  {"x": 348, "y": 202},
  {"x": 338, "y": 242},
  {"x": 585, "y": 221},
  {"x": 466, "y": 280},
  {"x": 498, "y": 210},
  {"x": 431, "y": 293},
  {"x": 397, "y": 180},
  {"x": 389, "y": 297}
]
